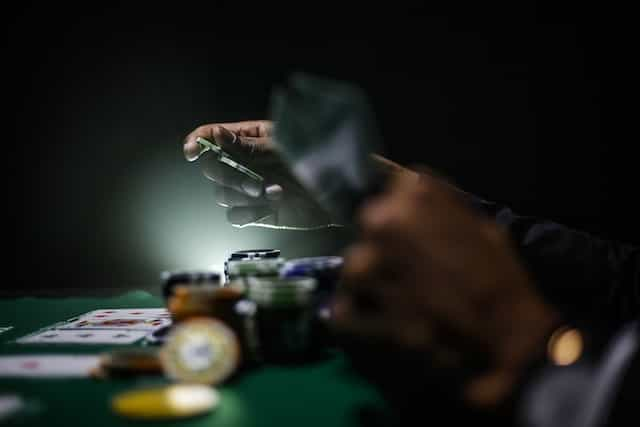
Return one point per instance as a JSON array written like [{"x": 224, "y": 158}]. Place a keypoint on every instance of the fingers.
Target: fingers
[
  {"x": 240, "y": 146},
  {"x": 252, "y": 128},
  {"x": 227, "y": 176},
  {"x": 392, "y": 324},
  {"x": 257, "y": 133},
  {"x": 389, "y": 167},
  {"x": 229, "y": 198}
]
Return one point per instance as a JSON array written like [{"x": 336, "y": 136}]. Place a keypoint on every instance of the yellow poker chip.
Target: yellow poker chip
[
  {"x": 200, "y": 350},
  {"x": 166, "y": 402}
]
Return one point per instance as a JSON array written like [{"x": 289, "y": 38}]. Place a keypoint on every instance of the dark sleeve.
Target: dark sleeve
[{"x": 589, "y": 279}]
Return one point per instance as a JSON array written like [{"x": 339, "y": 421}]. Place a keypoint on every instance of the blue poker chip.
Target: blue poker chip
[
  {"x": 326, "y": 269},
  {"x": 311, "y": 265}
]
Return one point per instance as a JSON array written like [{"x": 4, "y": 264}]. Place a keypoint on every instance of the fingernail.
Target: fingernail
[
  {"x": 252, "y": 187},
  {"x": 273, "y": 192},
  {"x": 192, "y": 150}
]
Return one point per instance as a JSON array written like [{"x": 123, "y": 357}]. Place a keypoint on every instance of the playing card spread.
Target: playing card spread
[
  {"x": 149, "y": 319},
  {"x": 105, "y": 326},
  {"x": 75, "y": 336},
  {"x": 48, "y": 365}
]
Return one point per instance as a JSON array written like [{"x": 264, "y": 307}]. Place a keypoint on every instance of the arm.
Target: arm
[{"x": 586, "y": 277}]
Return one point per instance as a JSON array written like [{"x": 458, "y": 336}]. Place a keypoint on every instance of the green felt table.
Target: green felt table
[{"x": 320, "y": 393}]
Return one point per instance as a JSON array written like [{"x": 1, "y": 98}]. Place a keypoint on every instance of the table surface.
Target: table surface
[{"x": 320, "y": 393}]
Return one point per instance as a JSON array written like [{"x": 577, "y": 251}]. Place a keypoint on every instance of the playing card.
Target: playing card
[
  {"x": 149, "y": 319},
  {"x": 89, "y": 336},
  {"x": 138, "y": 313},
  {"x": 47, "y": 365},
  {"x": 326, "y": 131}
]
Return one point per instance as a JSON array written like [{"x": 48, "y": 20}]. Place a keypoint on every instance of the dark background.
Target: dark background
[{"x": 506, "y": 100}]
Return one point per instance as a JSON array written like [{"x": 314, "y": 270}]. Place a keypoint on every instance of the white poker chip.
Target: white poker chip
[{"x": 200, "y": 350}]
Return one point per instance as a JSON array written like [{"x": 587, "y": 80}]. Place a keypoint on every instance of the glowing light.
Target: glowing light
[
  {"x": 176, "y": 224},
  {"x": 192, "y": 398},
  {"x": 565, "y": 346}
]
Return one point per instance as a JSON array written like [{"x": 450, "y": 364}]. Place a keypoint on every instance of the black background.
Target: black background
[{"x": 506, "y": 100}]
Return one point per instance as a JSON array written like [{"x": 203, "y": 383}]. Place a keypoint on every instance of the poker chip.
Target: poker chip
[
  {"x": 200, "y": 350},
  {"x": 326, "y": 269},
  {"x": 284, "y": 316},
  {"x": 249, "y": 255},
  {"x": 254, "y": 268},
  {"x": 277, "y": 291},
  {"x": 129, "y": 361},
  {"x": 297, "y": 266},
  {"x": 172, "y": 279},
  {"x": 255, "y": 254},
  {"x": 166, "y": 402}
]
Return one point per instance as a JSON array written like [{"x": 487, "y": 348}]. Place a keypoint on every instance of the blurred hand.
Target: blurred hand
[
  {"x": 430, "y": 277},
  {"x": 279, "y": 202}
]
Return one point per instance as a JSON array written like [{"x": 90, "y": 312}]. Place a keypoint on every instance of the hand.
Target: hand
[
  {"x": 280, "y": 202},
  {"x": 430, "y": 277}
]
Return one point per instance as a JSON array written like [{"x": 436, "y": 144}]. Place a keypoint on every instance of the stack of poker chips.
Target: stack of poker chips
[
  {"x": 221, "y": 303},
  {"x": 283, "y": 316},
  {"x": 171, "y": 279},
  {"x": 238, "y": 272},
  {"x": 249, "y": 255},
  {"x": 325, "y": 269}
]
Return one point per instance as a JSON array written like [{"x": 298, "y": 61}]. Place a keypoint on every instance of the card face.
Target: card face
[
  {"x": 79, "y": 336},
  {"x": 47, "y": 365},
  {"x": 149, "y": 319}
]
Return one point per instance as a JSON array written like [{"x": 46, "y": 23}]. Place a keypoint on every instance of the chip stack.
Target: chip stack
[
  {"x": 284, "y": 315},
  {"x": 241, "y": 270},
  {"x": 326, "y": 270},
  {"x": 222, "y": 303},
  {"x": 250, "y": 255}
]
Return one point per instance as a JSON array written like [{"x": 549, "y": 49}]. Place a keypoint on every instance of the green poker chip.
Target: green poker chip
[{"x": 254, "y": 267}]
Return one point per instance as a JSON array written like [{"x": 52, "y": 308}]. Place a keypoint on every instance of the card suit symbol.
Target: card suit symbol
[
  {"x": 120, "y": 322},
  {"x": 31, "y": 364},
  {"x": 121, "y": 336},
  {"x": 136, "y": 312},
  {"x": 100, "y": 315}
]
